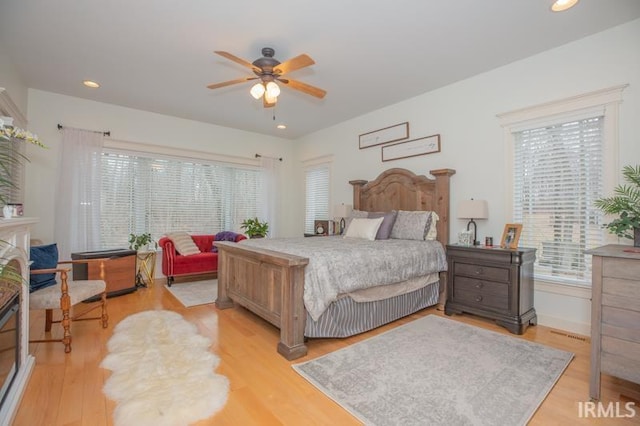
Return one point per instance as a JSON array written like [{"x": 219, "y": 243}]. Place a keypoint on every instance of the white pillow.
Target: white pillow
[
  {"x": 184, "y": 243},
  {"x": 363, "y": 228}
]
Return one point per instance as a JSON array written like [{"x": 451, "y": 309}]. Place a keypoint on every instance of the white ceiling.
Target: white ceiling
[{"x": 157, "y": 55}]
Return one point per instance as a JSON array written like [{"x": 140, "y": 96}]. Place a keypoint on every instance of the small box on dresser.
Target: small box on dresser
[
  {"x": 615, "y": 314},
  {"x": 492, "y": 282}
]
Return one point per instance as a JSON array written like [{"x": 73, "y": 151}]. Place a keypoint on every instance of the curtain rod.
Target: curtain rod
[
  {"x": 266, "y": 156},
  {"x": 107, "y": 133}
]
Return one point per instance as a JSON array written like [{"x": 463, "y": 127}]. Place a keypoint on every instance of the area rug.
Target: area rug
[
  {"x": 162, "y": 372},
  {"x": 195, "y": 293},
  {"x": 436, "y": 371}
]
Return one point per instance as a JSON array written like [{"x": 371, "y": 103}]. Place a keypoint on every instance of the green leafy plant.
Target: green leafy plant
[
  {"x": 254, "y": 228},
  {"x": 10, "y": 155},
  {"x": 140, "y": 240},
  {"x": 625, "y": 203}
]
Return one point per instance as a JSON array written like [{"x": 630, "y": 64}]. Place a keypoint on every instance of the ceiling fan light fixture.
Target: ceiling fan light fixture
[
  {"x": 257, "y": 90},
  {"x": 270, "y": 99},
  {"x": 273, "y": 90},
  {"x": 562, "y": 5}
]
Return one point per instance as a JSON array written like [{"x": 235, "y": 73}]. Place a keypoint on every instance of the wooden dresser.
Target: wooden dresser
[
  {"x": 492, "y": 282},
  {"x": 615, "y": 315}
]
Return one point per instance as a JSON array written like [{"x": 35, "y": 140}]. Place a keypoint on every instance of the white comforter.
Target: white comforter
[{"x": 341, "y": 265}]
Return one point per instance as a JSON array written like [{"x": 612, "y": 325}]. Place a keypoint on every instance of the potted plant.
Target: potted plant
[
  {"x": 137, "y": 241},
  {"x": 626, "y": 204},
  {"x": 10, "y": 155},
  {"x": 254, "y": 228}
]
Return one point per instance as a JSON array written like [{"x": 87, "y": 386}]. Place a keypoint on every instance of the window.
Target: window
[
  {"x": 563, "y": 157},
  {"x": 557, "y": 177},
  {"x": 317, "y": 195},
  {"x": 148, "y": 193},
  {"x": 12, "y": 178}
]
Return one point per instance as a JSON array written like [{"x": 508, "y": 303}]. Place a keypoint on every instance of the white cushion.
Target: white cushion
[
  {"x": 363, "y": 228},
  {"x": 183, "y": 243},
  {"x": 49, "y": 297}
]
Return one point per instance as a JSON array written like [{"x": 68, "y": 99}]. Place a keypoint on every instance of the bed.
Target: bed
[{"x": 270, "y": 282}]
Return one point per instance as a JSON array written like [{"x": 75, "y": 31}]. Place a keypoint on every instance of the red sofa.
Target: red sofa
[{"x": 174, "y": 264}]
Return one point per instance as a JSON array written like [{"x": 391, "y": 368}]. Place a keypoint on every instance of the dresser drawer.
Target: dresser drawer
[
  {"x": 620, "y": 323},
  {"x": 621, "y": 293},
  {"x": 464, "y": 284},
  {"x": 480, "y": 300},
  {"x": 490, "y": 273},
  {"x": 628, "y": 269}
]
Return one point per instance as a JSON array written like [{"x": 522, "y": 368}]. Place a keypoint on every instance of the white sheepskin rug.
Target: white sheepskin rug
[{"x": 162, "y": 372}]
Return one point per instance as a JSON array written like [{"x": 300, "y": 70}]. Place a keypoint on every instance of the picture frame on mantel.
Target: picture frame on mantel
[
  {"x": 412, "y": 148},
  {"x": 394, "y": 133}
]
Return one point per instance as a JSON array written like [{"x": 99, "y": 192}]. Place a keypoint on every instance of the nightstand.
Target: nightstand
[{"x": 492, "y": 282}]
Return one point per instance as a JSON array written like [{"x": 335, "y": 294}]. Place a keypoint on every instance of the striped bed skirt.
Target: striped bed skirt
[{"x": 346, "y": 317}]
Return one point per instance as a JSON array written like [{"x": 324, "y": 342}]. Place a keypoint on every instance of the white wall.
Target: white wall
[
  {"x": 464, "y": 114},
  {"x": 11, "y": 81},
  {"x": 47, "y": 109}
]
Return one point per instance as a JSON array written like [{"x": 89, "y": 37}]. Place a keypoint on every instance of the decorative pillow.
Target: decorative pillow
[
  {"x": 183, "y": 243},
  {"x": 411, "y": 225},
  {"x": 43, "y": 257},
  {"x": 363, "y": 228},
  {"x": 355, "y": 213},
  {"x": 387, "y": 224},
  {"x": 431, "y": 230}
]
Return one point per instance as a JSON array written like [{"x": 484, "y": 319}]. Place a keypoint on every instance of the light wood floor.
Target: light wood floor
[{"x": 66, "y": 389}]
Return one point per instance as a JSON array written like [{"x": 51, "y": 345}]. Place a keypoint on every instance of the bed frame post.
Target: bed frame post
[{"x": 442, "y": 200}]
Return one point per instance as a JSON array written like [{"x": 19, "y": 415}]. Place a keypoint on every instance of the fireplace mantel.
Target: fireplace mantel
[{"x": 17, "y": 232}]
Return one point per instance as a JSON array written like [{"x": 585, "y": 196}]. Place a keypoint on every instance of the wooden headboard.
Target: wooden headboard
[{"x": 401, "y": 189}]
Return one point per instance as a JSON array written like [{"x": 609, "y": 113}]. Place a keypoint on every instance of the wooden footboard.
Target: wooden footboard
[{"x": 269, "y": 284}]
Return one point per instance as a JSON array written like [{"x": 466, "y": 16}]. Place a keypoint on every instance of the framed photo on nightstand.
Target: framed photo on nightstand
[{"x": 511, "y": 235}]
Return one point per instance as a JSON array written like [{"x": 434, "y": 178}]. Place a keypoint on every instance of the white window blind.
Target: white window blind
[
  {"x": 317, "y": 196},
  {"x": 558, "y": 174},
  {"x": 159, "y": 195},
  {"x": 13, "y": 176}
]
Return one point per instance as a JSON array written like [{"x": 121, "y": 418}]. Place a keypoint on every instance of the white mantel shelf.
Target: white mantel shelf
[{"x": 17, "y": 232}]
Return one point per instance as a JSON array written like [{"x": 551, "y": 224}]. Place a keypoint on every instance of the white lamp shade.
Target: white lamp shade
[
  {"x": 473, "y": 209},
  {"x": 257, "y": 90},
  {"x": 342, "y": 210}
]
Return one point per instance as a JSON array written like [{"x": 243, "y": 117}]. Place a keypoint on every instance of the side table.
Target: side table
[
  {"x": 492, "y": 282},
  {"x": 146, "y": 267}
]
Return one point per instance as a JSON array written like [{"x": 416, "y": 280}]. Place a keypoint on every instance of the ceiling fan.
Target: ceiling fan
[{"x": 269, "y": 70}]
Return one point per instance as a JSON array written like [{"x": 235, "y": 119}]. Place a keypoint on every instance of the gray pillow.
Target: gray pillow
[
  {"x": 384, "y": 232},
  {"x": 411, "y": 225}
]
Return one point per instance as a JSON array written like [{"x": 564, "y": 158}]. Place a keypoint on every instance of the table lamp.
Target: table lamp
[
  {"x": 473, "y": 209},
  {"x": 342, "y": 211}
]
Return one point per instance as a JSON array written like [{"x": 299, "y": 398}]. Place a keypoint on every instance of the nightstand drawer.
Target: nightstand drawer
[
  {"x": 483, "y": 300},
  {"x": 464, "y": 284},
  {"x": 490, "y": 273}
]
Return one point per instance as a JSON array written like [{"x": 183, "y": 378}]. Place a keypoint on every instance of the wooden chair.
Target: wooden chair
[{"x": 68, "y": 293}]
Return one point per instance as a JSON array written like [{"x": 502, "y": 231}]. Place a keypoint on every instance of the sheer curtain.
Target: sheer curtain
[
  {"x": 77, "y": 209},
  {"x": 270, "y": 196}
]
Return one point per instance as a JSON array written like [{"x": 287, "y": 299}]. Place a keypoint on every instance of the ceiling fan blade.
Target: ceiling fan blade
[
  {"x": 237, "y": 60},
  {"x": 293, "y": 64},
  {"x": 230, "y": 82},
  {"x": 304, "y": 87}
]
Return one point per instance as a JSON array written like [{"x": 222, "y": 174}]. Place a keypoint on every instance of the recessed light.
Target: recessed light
[
  {"x": 561, "y": 5},
  {"x": 91, "y": 84},
  {"x": 281, "y": 126}
]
